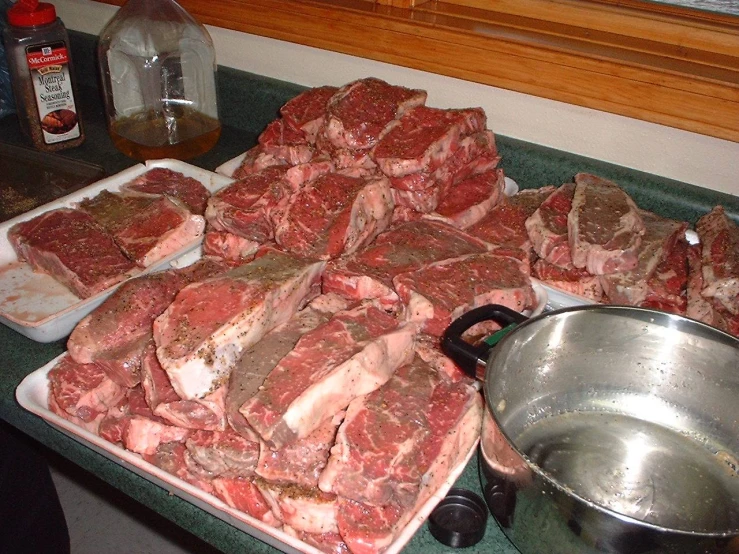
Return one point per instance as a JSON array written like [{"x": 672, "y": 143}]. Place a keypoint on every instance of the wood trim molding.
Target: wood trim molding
[{"x": 664, "y": 65}]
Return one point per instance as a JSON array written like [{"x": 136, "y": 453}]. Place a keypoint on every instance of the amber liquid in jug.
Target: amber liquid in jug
[
  {"x": 158, "y": 73},
  {"x": 145, "y": 136}
]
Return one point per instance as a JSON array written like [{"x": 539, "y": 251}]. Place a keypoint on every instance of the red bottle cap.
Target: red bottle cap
[{"x": 30, "y": 13}]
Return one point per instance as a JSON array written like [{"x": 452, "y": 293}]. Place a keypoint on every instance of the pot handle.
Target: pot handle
[{"x": 468, "y": 356}]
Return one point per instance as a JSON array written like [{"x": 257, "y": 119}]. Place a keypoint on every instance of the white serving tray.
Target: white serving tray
[
  {"x": 35, "y": 304},
  {"x": 33, "y": 392}
]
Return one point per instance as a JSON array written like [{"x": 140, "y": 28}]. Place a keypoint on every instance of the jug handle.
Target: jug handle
[{"x": 469, "y": 356}]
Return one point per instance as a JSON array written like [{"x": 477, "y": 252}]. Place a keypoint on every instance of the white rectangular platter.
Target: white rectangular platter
[
  {"x": 36, "y": 305},
  {"x": 33, "y": 392}
]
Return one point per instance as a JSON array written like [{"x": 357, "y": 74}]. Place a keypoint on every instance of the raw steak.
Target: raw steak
[
  {"x": 242, "y": 494},
  {"x": 473, "y": 154},
  {"x": 147, "y": 228},
  {"x": 505, "y": 224},
  {"x": 300, "y": 462},
  {"x": 255, "y": 160},
  {"x": 223, "y": 453},
  {"x": 335, "y": 215},
  {"x": 438, "y": 293},
  {"x": 604, "y": 226},
  {"x": 144, "y": 435},
  {"x": 173, "y": 458},
  {"x": 225, "y": 245},
  {"x": 161, "y": 180},
  {"x": 454, "y": 427},
  {"x": 358, "y": 112},
  {"x": 667, "y": 286},
  {"x": 369, "y": 273},
  {"x": 469, "y": 201},
  {"x": 390, "y": 438},
  {"x": 243, "y": 207},
  {"x": 423, "y": 138},
  {"x": 82, "y": 391},
  {"x": 207, "y": 413},
  {"x": 547, "y": 227},
  {"x": 707, "y": 310},
  {"x": 115, "y": 333},
  {"x": 304, "y": 509},
  {"x": 71, "y": 247},
  {"x": 210, "y": 324},
  {"x": 660, "y": 237},
  {"x": 307, "y": 111},
  {"x": 351, "y": 355},
  {"x": 719, "y": 238},
  {"x": 569, "y": 279},
  {"x": 258, "y": 361},
  {"x": 285, "y": 142}
]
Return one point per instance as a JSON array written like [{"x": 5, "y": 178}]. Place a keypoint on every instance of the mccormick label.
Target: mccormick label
[{"x": 49, "y": 66}]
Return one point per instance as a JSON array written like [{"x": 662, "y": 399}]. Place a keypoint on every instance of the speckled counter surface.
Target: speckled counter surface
[{"x": 247, "y": 104}]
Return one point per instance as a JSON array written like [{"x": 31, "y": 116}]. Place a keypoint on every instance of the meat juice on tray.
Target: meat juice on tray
[{"x": 295, "y": 372}]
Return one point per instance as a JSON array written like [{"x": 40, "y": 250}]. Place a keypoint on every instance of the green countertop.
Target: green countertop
[{"x": 247, "y": 103}]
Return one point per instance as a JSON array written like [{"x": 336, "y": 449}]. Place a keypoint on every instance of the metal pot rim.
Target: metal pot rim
[{"x": 550, "y": 480}]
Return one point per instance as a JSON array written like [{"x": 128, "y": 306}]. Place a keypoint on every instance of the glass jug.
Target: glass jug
[{"x": 158, "y": 75}]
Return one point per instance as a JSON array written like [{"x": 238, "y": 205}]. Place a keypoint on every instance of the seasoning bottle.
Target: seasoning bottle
[
  {"x": 158, "y": 73},
  {"x": 40, "y": 64}
]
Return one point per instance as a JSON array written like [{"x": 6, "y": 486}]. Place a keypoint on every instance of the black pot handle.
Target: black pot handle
[{"x": 468, "y": 356}]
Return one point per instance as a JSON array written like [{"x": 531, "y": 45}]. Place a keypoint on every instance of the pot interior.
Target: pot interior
[{"x": 632, "y": 410}]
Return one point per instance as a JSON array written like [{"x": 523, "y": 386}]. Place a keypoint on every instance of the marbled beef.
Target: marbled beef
[
  {"x": 146, "y": 227},
  {"x": 358, "y": 112},
  {"x": 369, "y": 273},
  {"x": 73, "y": 248},
  {"x": 334, "y": 215},
  {"x": 210, "y": 324},
  {"x": 660, "y": 237},
  {"x": 547, "y": 227},
  {"x": 161, "y": 180},
  {"x": 423, "y": 138},
  {"x": 436, "y": 294},
  {"x": 604, "y": 226},
  {"x": 354, "y": 353},
  {"x": 719, "y": 238}
]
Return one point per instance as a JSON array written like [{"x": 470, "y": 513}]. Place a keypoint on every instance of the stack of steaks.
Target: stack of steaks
[{"x": 294, "y": 371}]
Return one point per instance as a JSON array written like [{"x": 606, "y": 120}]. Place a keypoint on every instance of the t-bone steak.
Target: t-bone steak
[
  {"x": 73, "y": 248},
  {"x": 210, "y": 324},
  {"x": 358, "y": 112},
  {"x": 631, "y": 287},
  {"x": 547, "y": 227},
  {"x": 161, "y": 180},
  {"x": 351, "y": 355},
  {"x": 335, "y": 215},
  {"x": 147, "y": 228},
  {"x": 423, "y": 138},
  {"x": 369, "y": 273},
  {"x": 440, "y": 292},
  {"x": 719, "y": 238},
  {"x": 604, "y": 225}
]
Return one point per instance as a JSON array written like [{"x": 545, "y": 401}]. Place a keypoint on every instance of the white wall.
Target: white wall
[{"x": 688, "y": 157}]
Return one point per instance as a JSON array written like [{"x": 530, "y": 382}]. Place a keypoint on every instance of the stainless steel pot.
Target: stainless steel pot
[{"x": 621, "y": 430}]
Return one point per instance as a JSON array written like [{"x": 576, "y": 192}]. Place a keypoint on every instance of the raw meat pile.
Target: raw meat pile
[
  {"x": 294, "y": 371},
  {"x": 112, "y": 236},
  {"x": 590, "y": 239}
]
